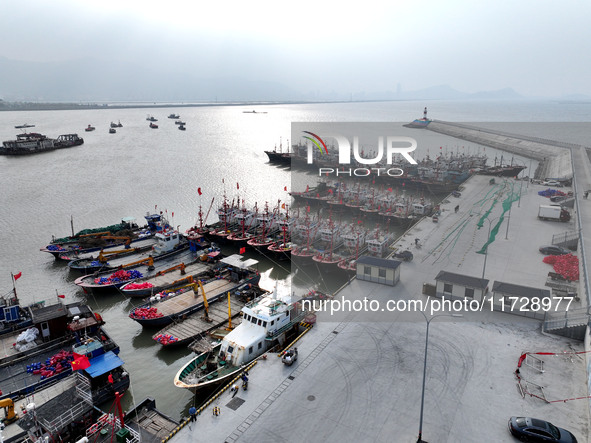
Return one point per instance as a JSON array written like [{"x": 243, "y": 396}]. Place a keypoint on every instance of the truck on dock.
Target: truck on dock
[{"x": 556, "y": 213}]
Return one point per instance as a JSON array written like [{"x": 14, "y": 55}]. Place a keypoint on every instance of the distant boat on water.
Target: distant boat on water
[
  {"x": 254, "y": 112},
  {"x": 24, "y": 126}
]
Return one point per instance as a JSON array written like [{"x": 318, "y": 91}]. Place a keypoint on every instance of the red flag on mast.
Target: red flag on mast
[
  {"x": 199, "y": 191},
  {"x": 17, "y": 276},
  {"x": 237, "y": 185}
]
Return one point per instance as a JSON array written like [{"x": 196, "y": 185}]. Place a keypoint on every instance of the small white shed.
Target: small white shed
[{"x": 378, "y": 270}]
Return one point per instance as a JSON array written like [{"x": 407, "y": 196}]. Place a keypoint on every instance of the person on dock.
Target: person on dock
[
  {"x": 457, "y": 208},
  {"x": 193, "y": 413},
  {"x": 216, "y": 411},
  {"x": 234, "y": 389}
]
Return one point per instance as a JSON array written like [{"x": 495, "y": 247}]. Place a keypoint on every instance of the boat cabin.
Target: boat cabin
[
  {"x": 263, "y": 319},
  {"x": 166, "y": 241},
  {"x": 421, "y": 209}
]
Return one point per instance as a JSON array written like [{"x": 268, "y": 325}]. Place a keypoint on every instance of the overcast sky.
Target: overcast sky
[{"x": 537, "y": 47}]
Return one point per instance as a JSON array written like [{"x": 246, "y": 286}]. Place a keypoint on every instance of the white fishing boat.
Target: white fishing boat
[{"x": 265, "y": 323}]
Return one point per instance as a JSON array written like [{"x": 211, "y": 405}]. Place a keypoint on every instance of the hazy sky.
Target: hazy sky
[{"x": 537, "y": 47}]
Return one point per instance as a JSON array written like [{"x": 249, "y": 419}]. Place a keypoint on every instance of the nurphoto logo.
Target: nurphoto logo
[{"x": 387, "y": 154}]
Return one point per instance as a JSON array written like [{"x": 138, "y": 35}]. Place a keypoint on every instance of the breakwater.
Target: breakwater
[{"x": 554, "y": 157}]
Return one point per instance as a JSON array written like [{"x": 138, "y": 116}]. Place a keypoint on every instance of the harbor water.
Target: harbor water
[{"x": 138, "y": 170}]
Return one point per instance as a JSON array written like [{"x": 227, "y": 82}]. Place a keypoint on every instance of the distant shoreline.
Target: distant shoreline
[{"x": 35, "y": 106}]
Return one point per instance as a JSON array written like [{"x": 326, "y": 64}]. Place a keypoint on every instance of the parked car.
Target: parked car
[
  {"x": 554, "y": 250},
  {"x": 404, "y": 255},
  {"x": 534, "y": 429},
  {"x": 552, "y": 183},
  {"x": 558, "y": 198}
]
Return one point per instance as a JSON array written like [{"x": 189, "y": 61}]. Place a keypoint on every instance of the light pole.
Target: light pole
[
  {"x": 428, "y": 320},
  {"x": 521, "y": 183},
  {"x": 487, "y": 239}
]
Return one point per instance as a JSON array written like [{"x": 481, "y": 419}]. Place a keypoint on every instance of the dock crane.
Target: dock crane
[
  {"x": 10, "y": 415},
  {"x": 205, "y": 304}
]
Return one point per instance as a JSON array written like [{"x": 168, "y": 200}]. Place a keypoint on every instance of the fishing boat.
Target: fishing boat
[
  {"x": 151, "y": 118},
  {"x": 378, "y": 243},
  {"x": 200, "y": 229},
  {"x": 61, "y": 409},
  {"x": 170, "y": 246},
  {"x": 169, "y": 279},
  {"x": 282, "y": 247},
  {"x": 174, "y": 116},
  {"x": 182, "y": 127},
  {"x": 26, "y": 125},
  {"x": 326, "y": 257},
  {"x": 153, "y": 126},
  {"x": 110, "y": 257},
  {"x": 95, "y": 239},
  {"x": 279, "y": 156},
  {"x": 32, "y": 142},
  {"x": 89, "y": 128},
  {"x": 305, "y": 234},
  {"x": 320, "y": 194},
  {"x": 226, "y": 213},
  {"x": 164, "y": 308},
  {"x": 45, "y": 359},
  {"x": 502, "y": 170},
  {"x": 266, "y": 322},
  {"x": 150, "y": 424},
  {"x": 112, "y": 131},
  {"x": 247, "y": 221},
  {"x": 196, "y": 326},
  {"x": 48, "y": 325},
  {"x": 267, "y": 228}
]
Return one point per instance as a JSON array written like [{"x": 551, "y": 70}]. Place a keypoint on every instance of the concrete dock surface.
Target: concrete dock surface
[{"x": 359, "y": 374}]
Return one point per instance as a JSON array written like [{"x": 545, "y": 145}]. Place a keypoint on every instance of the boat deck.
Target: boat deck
[
  {"x": 138, "y": 244},
  {"x": 153, "y": 426},
  {"x": 195, "y": 325},
  {"x": 213, "y": 289},
  {"x": 87, "y": 281},
  {"x": 159, "y": 281},
  {"x": 48, "y": 395},
  {"x": 15, "y": 378}
]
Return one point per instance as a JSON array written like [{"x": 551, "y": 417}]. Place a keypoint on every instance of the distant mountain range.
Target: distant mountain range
[
  {"x": 442, "y": 92},
  {"x": 88, "y": 80}
]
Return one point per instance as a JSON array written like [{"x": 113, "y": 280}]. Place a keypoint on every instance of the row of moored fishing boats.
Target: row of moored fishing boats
[{"x": 181, "y": 291}]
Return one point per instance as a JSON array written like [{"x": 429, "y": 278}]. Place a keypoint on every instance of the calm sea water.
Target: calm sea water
[{"x": 138, "y": 170}]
